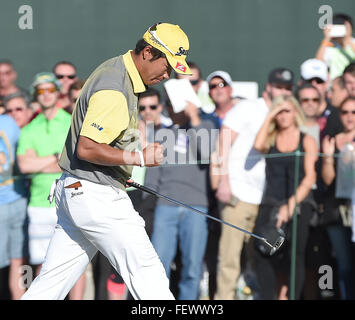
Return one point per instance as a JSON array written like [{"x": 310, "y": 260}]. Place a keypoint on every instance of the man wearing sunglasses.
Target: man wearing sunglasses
[
  {"x": 102, "y": 146},
  {"x": 315, "y": 72},
  {"x": 239, "y": 177},
  {"x": 17, "y": 106},
  {"x": 309, "y": 99},
  {"x": 66, "y": 73}
]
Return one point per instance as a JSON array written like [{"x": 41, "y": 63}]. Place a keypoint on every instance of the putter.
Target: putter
[{"x": 274, "y": 247}]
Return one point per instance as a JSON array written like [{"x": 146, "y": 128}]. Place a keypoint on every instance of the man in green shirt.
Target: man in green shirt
[{"x": 93, "y": 208}]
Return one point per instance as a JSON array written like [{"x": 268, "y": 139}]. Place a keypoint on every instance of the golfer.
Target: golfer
[{"x": 93, "y": 208}]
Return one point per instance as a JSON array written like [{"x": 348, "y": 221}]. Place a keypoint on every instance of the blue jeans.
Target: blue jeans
[
  {"x": 178, "y": 225},
  {"x": 340, "y": 238}
]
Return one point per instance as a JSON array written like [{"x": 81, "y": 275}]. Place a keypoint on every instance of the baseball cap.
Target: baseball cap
[
  {"x": 281, "y": 76},
  {"x": 171, "y": 40},
  {"x": 314, "y": 68},
  {"x": 44, "y": 77},
  {"x": 221, "y": 74}
]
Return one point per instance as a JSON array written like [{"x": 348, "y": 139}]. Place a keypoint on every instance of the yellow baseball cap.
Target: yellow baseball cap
[{"x": 171, "y": 40}]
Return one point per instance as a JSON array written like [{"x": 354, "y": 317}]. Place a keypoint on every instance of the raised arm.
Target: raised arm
[{"x": 328, "y": 169}]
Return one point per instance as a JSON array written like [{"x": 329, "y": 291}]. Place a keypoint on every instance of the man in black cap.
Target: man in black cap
[{"x": 240, "y": 177}]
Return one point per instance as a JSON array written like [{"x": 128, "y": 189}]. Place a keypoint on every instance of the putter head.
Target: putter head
[{"x": 278, "y": 243}]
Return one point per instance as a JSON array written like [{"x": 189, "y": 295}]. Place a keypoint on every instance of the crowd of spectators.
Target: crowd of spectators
[{"x": 261, "y": 164}]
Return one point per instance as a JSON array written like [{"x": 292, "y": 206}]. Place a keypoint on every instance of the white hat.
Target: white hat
[
  {"x": 221, "y": 74},
  {"x": 314, "y": 68}
]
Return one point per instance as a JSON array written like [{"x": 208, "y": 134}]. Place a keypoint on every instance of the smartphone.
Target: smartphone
[{"x": 338, "y": 31}]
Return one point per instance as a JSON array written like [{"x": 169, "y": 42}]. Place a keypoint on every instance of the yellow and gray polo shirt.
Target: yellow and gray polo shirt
[{"x": 106, "y": 112}]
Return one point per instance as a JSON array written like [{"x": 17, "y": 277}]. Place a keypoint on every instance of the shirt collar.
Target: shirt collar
[{"x": 138, "y": 84}]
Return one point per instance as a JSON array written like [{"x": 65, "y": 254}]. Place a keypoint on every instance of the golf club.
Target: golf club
[{"x": 274, "y": 247}]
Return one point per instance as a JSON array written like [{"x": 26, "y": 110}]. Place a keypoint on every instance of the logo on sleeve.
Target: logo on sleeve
[{"x": 97, "y": 126}]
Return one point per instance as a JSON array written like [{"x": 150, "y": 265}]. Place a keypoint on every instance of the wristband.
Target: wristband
[{"x": 141, "y": 158}]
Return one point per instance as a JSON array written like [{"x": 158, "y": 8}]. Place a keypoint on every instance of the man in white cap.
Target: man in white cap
[
  {"x": 315, "y": 71},
  {"x": 102, "y": 146},
  {"x": 241, "y": 173}
]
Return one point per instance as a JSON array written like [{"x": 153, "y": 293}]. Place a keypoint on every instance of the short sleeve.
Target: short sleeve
[
  {"x": 25, "y": 142},
  {"x": 107, "y": 116},
  {"x": 235, "y": 118}
]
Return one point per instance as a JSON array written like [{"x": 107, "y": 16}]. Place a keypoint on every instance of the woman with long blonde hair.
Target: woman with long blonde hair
[{"x": 279, "y": 138}]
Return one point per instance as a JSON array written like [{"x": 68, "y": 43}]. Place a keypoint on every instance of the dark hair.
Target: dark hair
[
  {"x": 63, "y": 62},
  {"x": 141, "y": 44},
  {"x": 6, "y": 61},
  {"x": 17, "y": 94},
  {"x": 193, "y": 65},
  {"x": 305, "y": 85},
  {"x": 350, "y": 69},
  {"x": 341, "y": 81},
  {"x": 76, "y": 85},
  {"x": 350, "y": 98},
  {"x": 150, "y": 92},
  {"x": 340, "y": 18}
]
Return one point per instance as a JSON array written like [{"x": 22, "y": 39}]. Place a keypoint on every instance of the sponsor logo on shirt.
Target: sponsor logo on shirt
[{"x": 97, "y": 126}]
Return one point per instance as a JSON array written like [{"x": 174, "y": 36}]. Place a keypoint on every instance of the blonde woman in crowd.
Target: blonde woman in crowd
[{"x": 280, "y": 134}]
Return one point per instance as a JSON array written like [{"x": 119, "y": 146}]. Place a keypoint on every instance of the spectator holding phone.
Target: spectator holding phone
[{"x": 337, "y": 48}]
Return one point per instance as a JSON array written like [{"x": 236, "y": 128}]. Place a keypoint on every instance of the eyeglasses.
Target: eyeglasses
[
  {"x": 344, "y": 112},
  {"x": 61, "y": 76},
  {"x": 17, "y": 109},
  {"x": 219, "y": 85},
  {"x": 194, "y": 82},
  {"x": 152, "y": 31},
  {"x": 42, "y": 91},
  {"x": 309, "y": 99},
  {"x": 316, "y": 79},
  {"x": 152, "y": 107}
]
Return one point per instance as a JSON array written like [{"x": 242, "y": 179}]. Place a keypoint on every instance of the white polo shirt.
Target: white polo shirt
[{"x": 246, "y": 165}]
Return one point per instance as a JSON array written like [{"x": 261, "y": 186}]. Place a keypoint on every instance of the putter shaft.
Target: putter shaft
[{"x": 143, "y": 188}]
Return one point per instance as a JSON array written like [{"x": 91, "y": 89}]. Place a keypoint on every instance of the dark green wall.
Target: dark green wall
[{"x": 247, "y": 38}]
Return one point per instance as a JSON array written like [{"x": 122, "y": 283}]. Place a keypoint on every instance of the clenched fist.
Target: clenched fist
[{"x": 153, "y": 154}]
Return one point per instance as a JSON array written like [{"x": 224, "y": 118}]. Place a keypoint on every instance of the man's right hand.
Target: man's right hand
[{"x": 153, "y": 154}]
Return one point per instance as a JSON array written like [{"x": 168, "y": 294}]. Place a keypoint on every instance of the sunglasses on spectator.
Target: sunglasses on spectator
[
  {"x": 316, "y": 79},
  {"x": 309, "y": 99},
  {"x": 344, "y": 112},
  {"x": 219, "y": 85},
  {"x": 152, "y": 107},
  {"x": 194, "y": 82},
  {"x": 17, "y": 109},
  {"x": 61, "y": 76},
  {"x": 42, "y": 91}
]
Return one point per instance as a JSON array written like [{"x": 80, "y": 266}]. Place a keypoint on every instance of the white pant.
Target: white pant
[
  {"x": 97, "y": 217},
  {"x": 41, "y": 226}
]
